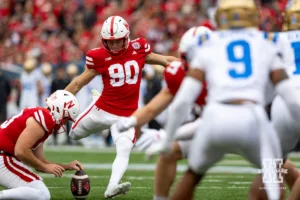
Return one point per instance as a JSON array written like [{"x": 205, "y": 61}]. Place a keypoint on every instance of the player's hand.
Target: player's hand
[
  {"x": 125, "y": 123},
  {"x": 158, "y": 148},
  {"x": 148, "y": 138},
  {"x": 75, "y": 165},
  {"x": 54, "y": 169}
]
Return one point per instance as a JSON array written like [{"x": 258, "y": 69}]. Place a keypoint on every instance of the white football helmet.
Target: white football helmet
[
  {"x": 63, "y": 106},
  {"x": 188, "y": 37},
  {"x": 114, "y": 28}
]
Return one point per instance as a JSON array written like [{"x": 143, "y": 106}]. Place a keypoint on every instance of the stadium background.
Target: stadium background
[{"x": 57, "y": 33}]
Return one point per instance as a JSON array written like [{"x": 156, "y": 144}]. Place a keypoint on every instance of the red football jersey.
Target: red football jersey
[
  {"x": 174, "y": 75},
  {"x": 11, "y": 129},
  {"x": 121, "y": 76}
]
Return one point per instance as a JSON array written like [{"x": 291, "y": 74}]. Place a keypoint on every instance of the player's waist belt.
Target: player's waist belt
[
  {"x": 239, "y": 102},
  {"x": 5, "y": 153}
]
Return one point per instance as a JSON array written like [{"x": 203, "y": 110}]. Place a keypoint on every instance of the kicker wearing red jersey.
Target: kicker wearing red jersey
[
  {"x": 120, "y": 63},
  {"x": 121, "y": 76},
  {"x": 21, "y": 146}
]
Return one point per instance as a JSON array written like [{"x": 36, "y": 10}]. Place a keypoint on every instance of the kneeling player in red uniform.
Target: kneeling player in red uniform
[{"x": 21, "y": 146}]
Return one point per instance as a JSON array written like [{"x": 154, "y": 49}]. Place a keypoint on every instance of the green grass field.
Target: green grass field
[{"x": 229, "y": 179}]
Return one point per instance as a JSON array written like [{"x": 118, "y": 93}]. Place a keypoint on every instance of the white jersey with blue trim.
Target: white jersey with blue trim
[
  {"x": 237, "y": 63},
  {"x": 291, "y": 54},
  {"x": 29, "y": 94}
]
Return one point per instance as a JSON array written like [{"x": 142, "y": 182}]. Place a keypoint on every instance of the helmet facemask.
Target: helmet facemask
[
  {"x": 115, "y": 28},
  {"x": 63, "y": 107},
  {"x": 119, "y": 51}
]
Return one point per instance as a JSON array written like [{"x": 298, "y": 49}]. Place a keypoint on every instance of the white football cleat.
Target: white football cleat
[
  {"x": 117, "y": 190},
  {"x": 95, "y": 94}
]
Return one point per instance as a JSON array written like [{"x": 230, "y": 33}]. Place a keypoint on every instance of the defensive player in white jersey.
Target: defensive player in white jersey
[
  {"x": 120, "y": 63},
  {"x": 234, "y": 119},
  {"x": 286, "y": 123},
  {"x": 165, "y": 172},
  {"x": 31, "y": 86}
]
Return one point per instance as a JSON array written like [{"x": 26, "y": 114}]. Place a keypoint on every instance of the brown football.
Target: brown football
[{"x": 80, "y": 185}]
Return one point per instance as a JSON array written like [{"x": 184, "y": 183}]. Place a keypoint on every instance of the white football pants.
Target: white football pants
[
  {"x": 20, "y": 181},
  {"x": 286, "y": 126},
  {"x": 94, "y": 120}
]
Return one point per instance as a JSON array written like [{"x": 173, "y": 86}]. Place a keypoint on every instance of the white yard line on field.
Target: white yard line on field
[
  {"x": 139, "y": 178},
  {"x": 180, "y": 168},
  {"x": 148, "y": 188},
  {"x": 240, "y": 183},
  {"x": 70, "y": 148}
]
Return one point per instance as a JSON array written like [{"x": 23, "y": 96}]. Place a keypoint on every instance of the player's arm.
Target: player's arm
[
  {"x": 140, "y": 117},
  {"x": 29, "y": 136},
  {"x": 81, "y": 80},
  {"x": 157, "y": 59},
  {"x": 158, "y": 104},
  {"x": 39, "y": 153},
  {"x": 40, "y": 88},
  {"x": 189, "y": 90}
]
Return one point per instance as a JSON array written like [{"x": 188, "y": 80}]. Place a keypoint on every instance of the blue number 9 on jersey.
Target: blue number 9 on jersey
[
  {"x": 296, "y": 48},
  {"x": 245, "y": 59}
]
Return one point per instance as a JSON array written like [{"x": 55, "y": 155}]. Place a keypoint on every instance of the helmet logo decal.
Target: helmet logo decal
[{"x": 70, "y": 104}]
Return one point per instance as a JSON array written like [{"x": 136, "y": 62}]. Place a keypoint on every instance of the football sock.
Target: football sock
[{"x": 123, "y": 146}]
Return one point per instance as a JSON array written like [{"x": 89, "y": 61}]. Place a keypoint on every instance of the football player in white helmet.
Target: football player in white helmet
[
  {"x": 166, "y": 167},
  {"x": 21, "y": 147},
  {"x": 234, "y": 118},
  {"x": 285, "y": 123},
  {"x": 120, "y": 63}
]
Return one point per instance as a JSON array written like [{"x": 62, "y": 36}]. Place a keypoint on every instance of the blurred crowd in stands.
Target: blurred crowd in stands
[{"x": 43, "y": 42}]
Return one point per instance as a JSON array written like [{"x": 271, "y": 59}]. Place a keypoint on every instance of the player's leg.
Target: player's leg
[
  {"x": 286, "y": 126},
  {"x": 203, "y": 153},
  {"x": 186, "y": 187},
  {"x": 288, "y": 131},
  {"x": 292, "y": 174},
  {"x": 90, "y": 121},
  {"x": 254, "y": 152},
  {"x": 165, "y": 172},
  {"x": 295, "y": 193},
  {"x": 21, "y": 182},
  {"x": 124, "y": 143}
]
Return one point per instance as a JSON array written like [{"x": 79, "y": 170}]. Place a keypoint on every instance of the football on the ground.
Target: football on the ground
[{"x": 80, "y": 185}]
